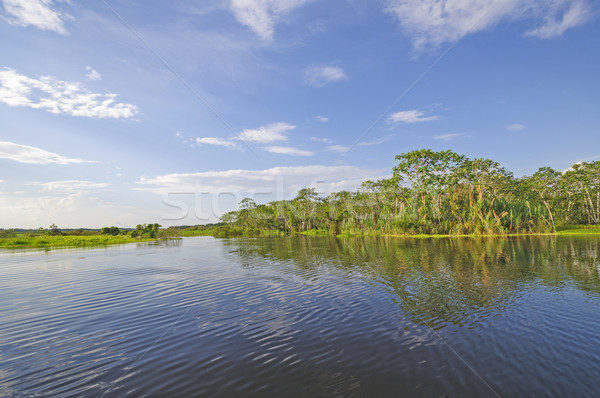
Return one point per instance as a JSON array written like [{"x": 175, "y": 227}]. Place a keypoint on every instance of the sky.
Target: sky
[{"x": 119, "y": 112}]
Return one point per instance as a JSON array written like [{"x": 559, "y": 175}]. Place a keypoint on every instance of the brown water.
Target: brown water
[{"x": 304, "y": 317}]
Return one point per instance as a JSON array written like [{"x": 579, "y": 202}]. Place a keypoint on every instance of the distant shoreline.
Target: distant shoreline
[{"x": 66, "y": 241}]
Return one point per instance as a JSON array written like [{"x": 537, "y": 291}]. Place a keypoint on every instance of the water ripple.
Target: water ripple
[{"x": 302, "y": 317}]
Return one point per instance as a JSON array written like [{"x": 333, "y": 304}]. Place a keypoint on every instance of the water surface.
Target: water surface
[{"x": 304, "y": 317}]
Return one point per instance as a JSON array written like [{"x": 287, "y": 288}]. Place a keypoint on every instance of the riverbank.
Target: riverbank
[
  {"x": 232, "y": 232},
  {"x": 43, "y": 241}
]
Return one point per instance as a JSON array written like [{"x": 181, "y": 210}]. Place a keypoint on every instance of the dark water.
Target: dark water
[{"x": 304, "y": 317}]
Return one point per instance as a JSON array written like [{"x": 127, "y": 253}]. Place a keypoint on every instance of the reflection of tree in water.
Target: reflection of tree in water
[{"x": 461, "y": 281}]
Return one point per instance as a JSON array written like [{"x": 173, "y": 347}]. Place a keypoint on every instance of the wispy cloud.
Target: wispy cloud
[
  {"x": 562, "y": 17},
  {"x": 58, "y": 96},
  {"x": 321, "y": 75},
  {"x": 287, "y": 150},
  {"x": 37, "y": 13},
  {"x": 270, "y": 133},
  {"x": 216, "y": 141},
  {"x": 71, "y": 186},
  {"x": 515, "y": 127},
  {"x": 376, "y": 142},
  {"x": 322, "y": 119},
  {"x": 412, "y": 116},
  {"x": 261, "y": 16},
  {"x": 447, "y": 137},
  {"x": 242, "y": 180},
  {"x": 323, "y": 140},
  {"x": 33, "y": 155},
  {"x": 432, "y": 23},
  {"x": 338, "y": 148},
  {"x": 92, "y": 74}
]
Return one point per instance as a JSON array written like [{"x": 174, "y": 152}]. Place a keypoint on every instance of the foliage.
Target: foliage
[
  {"x": 54, "y": 237},
  {"x": 64, "y": 241},
  {"x": 110, "y": 231},
  {"x": 432, "y": 193},
  {"x": 145, "y": 231},
  {"x": 7, "y": 233}
]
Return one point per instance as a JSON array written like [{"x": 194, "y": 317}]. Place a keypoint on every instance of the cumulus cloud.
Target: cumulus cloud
[
  {"x": 321, "y": 75},
  {"x": 515, "y": 127},
  {"x": 322, "y": 119},
  {"x": 33, "y": 155},
  {"x": 216, "y": 141},
  {"x": 412, "y": 116},
  {"x": 270, "y": 133},
  {"x": 92, "y": 74},
  {"x": 432, "y": 23},
  {"x": 261, "y": 16},
  {"x": 286, "y": 150},
  {"x": 37, "y": 13},
  {"x": 58, "y": 96}
]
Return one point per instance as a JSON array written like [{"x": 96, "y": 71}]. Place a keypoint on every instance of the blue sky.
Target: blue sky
[{"x": 126, "y": 112}]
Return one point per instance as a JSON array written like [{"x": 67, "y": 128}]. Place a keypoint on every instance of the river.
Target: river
[{"x": 304, "y": 317}]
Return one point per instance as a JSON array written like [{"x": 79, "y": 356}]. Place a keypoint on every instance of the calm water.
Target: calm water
[{"x": 304, "y": 317}]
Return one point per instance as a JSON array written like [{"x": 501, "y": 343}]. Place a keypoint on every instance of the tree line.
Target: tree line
[{"x": 434, "y": 193}]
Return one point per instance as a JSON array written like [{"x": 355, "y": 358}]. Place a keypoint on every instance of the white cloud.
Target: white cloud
[
  {"x": 262, "y": 15},
  {"x": 92, "y": 74},
  {"x": 267, "y": 134},
  {"x": 286, "y": 150},
  {"x": 216, "y": 141},
  {"x": 319, "y": 76},
  {"x": 71, "y": 186},
  {"x": 412, "y": 116},
  {"x": 432, "y": 23},
  {"x": 322, "y": 119},
  {"x": 276, "y": 178},
  {"x": 338, "y": 148},
  {"x": 33, "y": 155},
  {"x": 58, "y": 96},
  {"x": 515, "y": 127},
  {"x": 323, "y": 140},
  {"x": 37, "y": 13},
  {"x": 447, "y": 137},
  {"x": 376, "y": 142},
  {"x": 556, "y": 23}
]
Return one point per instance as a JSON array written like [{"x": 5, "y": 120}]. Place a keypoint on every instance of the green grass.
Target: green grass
[
  {"x": 66, "y": 241},
  {"x": 316, "y": 232},
  {"x": 582, "y": 231},
  {"x": 566, "y": 231}
]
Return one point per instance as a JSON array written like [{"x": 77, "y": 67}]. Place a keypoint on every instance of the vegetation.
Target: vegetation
[
  {"x": 54, "y": 237},
  {"x": 66, "y": 241},
  {"x": 433, "y": 193}
]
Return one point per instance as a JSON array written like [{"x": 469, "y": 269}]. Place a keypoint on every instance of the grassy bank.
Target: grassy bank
[
  {"x": 574, "y": 230},
  {"x": 67, "y": 241},
  {"x": 230, "y": 232}
]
